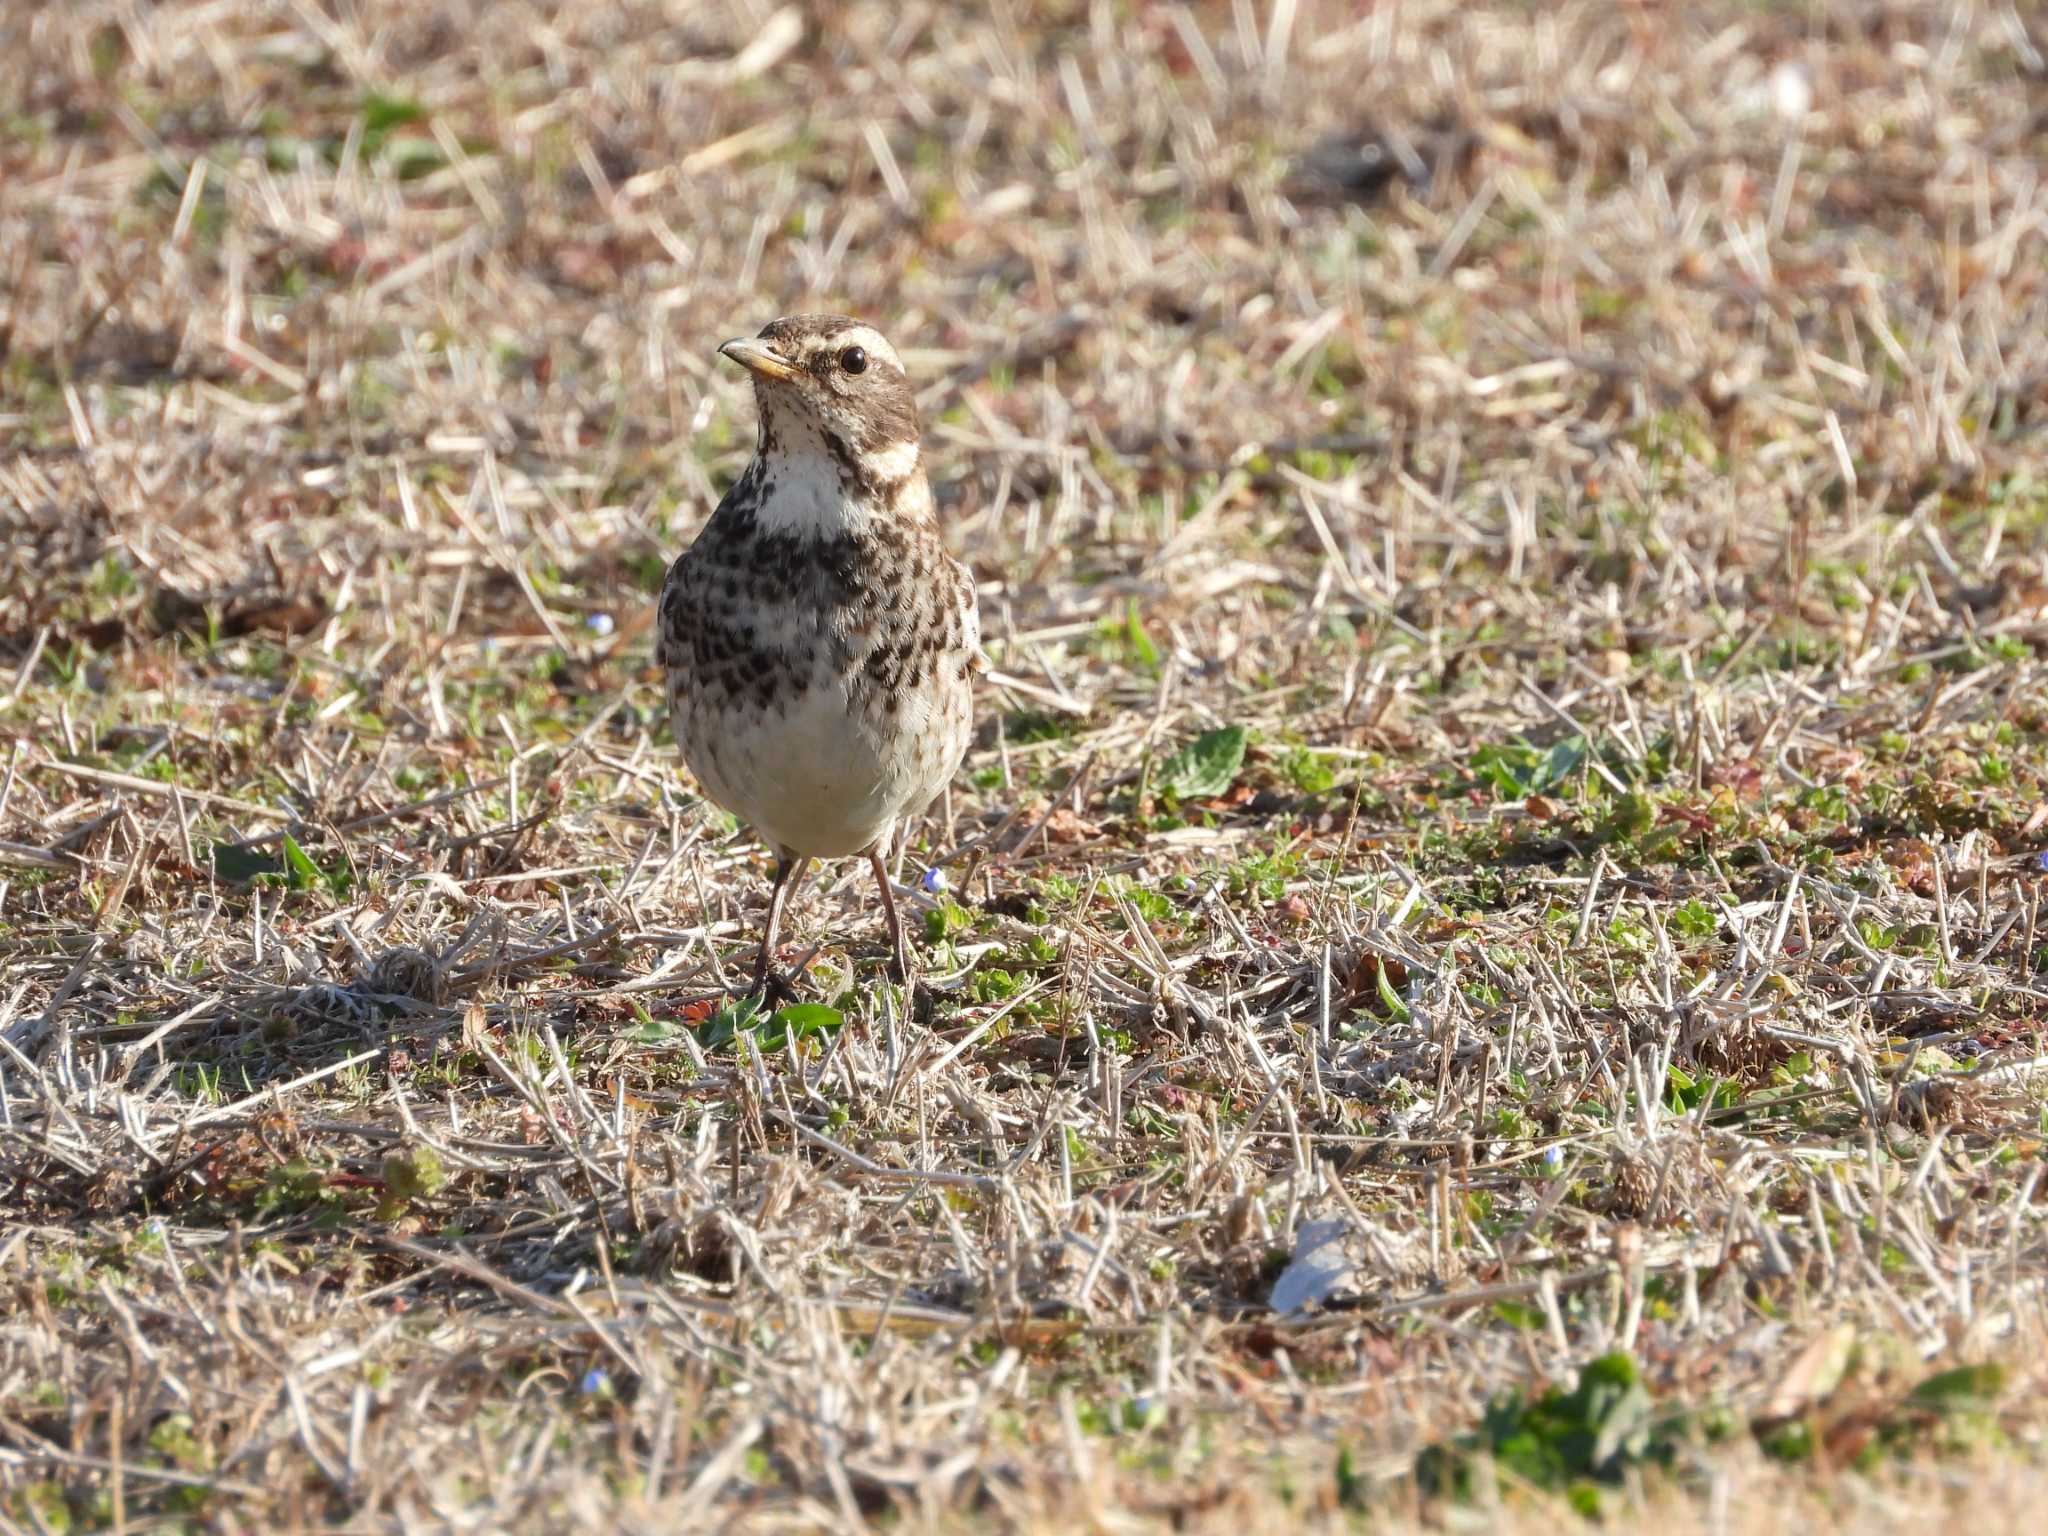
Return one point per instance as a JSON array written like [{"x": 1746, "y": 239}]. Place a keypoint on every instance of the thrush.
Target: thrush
[{"x": 817, "y": 640}]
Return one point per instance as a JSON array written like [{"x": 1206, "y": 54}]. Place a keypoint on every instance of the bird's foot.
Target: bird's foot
[
  {"x": 902, "y": 966},
  {"x": 772, "y": 989}
]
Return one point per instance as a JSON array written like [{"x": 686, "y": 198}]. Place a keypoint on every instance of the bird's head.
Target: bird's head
[{"x": 832, "y": 389}]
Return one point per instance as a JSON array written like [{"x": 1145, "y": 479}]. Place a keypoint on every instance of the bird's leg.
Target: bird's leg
[
  {"x": 899, "y": 946},
  {"x": 769, "y": 985}
]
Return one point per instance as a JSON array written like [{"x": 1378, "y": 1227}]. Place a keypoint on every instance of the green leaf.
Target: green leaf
[
  {"x": 383, "y": 113},
  {"x": 1789, "y": 1442},
  {"x": 1571, "y": 1442},
  {"x": 1142, "y": 648},
  {"x": 1206, "y": 766},
  {"x": 1507, "y": 770},
  {"x": 1965, "y": 1389},
  {"x": 653, "y": 1031},
  {"x": 1617, "y": 1410},
  {"x": 807, "y": 1018},
  {"x": 726, "y": 1024},
  {"x": 1515, "y": 770},
  {"x": 1633, "y": 815},
  {"x": 1389, "y": 997},
  {"x": 411, "y": 159},
  {"x": 1352, "y": 1489},
  {"x": 1686, "y": 1090},
  {"x": 1695, "y": 920},
  {"x": 300, "y": 871},
  {"x": 414, "y": 1173},
  {"x": 238, "y": 866},
  {"x": 946, "y": 918},
  {"x": 1565, "y": 759},
  {"x": 772, "y": 1031}
]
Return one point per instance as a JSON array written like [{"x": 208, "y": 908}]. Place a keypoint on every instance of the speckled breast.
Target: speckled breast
[{"x": 819, "y": 687}]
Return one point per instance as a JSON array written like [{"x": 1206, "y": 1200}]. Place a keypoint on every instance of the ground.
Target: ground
[{"x": 1485, "y": 965}]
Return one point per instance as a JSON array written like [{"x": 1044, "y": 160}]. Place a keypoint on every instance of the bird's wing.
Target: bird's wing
[{"x": 970, "y": 616}]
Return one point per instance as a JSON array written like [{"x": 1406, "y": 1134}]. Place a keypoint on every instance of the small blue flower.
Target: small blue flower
[
  {"x": 2042, "y": 859},
  {"x": 1552, "y": 1156},
  {"x": 595, "y": 1381},
  {"x": 599, "y": 624},
  {"x": 934, "y": 880}
]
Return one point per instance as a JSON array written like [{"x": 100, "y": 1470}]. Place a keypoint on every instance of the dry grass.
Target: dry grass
[{"x": 1610, "y": 499}]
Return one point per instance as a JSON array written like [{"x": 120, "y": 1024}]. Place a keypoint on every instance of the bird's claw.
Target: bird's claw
[{"x": 772, "y": 989}]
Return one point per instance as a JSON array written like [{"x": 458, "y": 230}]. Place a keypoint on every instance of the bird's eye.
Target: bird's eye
[{"x": 853, "y": 360}]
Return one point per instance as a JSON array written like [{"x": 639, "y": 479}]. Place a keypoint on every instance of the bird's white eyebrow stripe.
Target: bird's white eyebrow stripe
[{"x": 870, "y": 341}]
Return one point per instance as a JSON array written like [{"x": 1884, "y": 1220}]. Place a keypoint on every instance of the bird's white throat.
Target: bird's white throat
[
  {"x": 800, "y": 493},
  {"x": 801, "y": 484}
]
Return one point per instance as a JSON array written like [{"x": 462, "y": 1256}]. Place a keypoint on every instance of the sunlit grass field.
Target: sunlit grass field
[{"x": 1485, "y": 969}]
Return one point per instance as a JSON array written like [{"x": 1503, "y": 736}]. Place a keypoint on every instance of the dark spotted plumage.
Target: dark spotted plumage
[{"x": 817, "y": 640}]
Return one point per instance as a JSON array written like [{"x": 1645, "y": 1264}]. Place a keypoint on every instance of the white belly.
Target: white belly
[{"x": 815, "y": 780}]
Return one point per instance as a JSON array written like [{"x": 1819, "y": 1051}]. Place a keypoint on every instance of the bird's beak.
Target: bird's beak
[{"x": 758, "y": 357}]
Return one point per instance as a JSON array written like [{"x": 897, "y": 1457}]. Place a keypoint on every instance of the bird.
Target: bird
[{"x": 817, "y": 641}]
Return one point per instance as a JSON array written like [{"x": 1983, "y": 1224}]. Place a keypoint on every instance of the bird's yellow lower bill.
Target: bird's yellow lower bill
[{"x": 759, "y": 357}]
